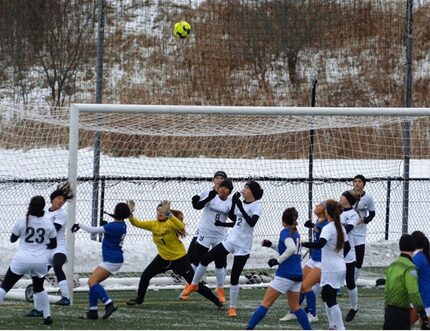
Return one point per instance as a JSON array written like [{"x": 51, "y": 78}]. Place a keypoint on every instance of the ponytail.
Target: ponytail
[
  {"x": 334, "y": 209},
  {"x": 422, "y": 243},
  {"x": 289, "y": 217}
]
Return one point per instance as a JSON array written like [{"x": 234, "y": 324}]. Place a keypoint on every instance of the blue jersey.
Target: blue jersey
[
  {"x": 423, "y": 268},
  {"x": 291, "y": 268},
  {"x": 112, "y": 242},
  {"x": 316, "y": 252}
]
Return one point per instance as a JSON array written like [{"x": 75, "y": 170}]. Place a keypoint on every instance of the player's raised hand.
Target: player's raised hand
[
  {"x": 165, "y": 208},
  {"x": 131, "y": 205}
]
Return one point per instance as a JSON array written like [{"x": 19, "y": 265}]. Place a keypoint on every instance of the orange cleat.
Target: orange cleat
[
  {"x": 220, "y": 293},
  {"x": 188, "y": 289},
  {"x": 182, "y": 296},
  {"x": 232, "y": 312}
]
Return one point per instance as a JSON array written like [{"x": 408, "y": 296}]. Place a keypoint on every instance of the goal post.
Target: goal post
[
  {"x": 247, "y": 142},
  {"x": 152, "y": 152}
]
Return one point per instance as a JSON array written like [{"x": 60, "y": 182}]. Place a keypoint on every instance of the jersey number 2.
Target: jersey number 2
[{"x": 32, "y": 235}]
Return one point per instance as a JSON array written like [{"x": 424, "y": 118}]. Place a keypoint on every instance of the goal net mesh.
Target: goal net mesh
[{"x": 152, "y": 157}]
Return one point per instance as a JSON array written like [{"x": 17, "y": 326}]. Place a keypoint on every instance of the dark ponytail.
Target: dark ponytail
[
  {"x": 422, "y": 243},
  {"x": 290, "y": 217},
  {"x": 334, "y": 209}
]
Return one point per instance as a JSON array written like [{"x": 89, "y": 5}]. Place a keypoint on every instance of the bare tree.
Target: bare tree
[{"x": 53, "y": 36}]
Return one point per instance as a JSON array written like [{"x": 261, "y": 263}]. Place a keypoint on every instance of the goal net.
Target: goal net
[{"x": 300, "y": 156}]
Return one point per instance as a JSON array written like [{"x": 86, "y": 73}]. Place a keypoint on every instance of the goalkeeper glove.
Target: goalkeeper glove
[
  {"x": 195, "y": 198},
  {"x": 165, "y": 208},
  {"x": 131, "y": 205}
]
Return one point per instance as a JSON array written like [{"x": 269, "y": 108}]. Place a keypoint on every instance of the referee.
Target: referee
[{"x": 401, "y": 289}]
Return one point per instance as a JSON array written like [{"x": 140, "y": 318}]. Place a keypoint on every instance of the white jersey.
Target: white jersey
[
  {"x": 59, "y": 216},
  {"x": 33, "y": 239},
  {"x": 242, "y": 234},
  {"x": 350, "y": 217},
  {"x": 365, "y": 205},
  {"x": 203, "y": 195},
  {"x": 331, "y": 260},
  {"x": 214, "y": 210}
]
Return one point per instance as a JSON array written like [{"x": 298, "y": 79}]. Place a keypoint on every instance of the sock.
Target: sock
[
  {"x": 317, "y": 289},
  {"x": 301, "y": 298},
  {"x": 311, "y": 300},
  {"x": 220, "y": 276},
  {"x": 357, "y": 274},
  {"x": 198, "y": 274},
  {"x": 258, "y": 315},
  {"x": 336, "y": 315},
  {"x": 43, "y": 302},
  {"x": 234, "y": 294},
  {"x": 92, "y": 298},
  {"x": 193, "y": 266},
  {"x": 329, "y": 318},
  {"x": 2, "y": 294},
  {"x": 303, "y": 319},
  {"x": 353, "y": 298},
  {"x": 100, "y": 292},
  {"x": 64, "y": 288},
  {"x": 36, "y": 303}
]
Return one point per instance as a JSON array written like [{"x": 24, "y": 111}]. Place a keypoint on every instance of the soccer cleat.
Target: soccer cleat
[
  {"x": 232, "y": 312},
  {"x": 90, "y": 315},
  {"x": 190, "y": 288},
  {"x": 220, "y": 293},
  {"x": 47, "y": 321},
  {"x": 109, "y": 309},
  {"x": 220, "y": 305},
  {"x": 182, "y": 296},
  {"x": 351, "y": 315},
  {"x": 136, "y": 301},
  {"x": 312, "y": 318},
  {"x": 288, "y": 317},
  {"x": 63, "y": 302},
  {"x": 34, "y": 313}
]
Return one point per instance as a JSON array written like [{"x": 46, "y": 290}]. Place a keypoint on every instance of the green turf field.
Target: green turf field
[{"x": 161, "y": 310}]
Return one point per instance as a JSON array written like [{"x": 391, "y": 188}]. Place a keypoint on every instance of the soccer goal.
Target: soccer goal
[{"x": 148, "y": 153}]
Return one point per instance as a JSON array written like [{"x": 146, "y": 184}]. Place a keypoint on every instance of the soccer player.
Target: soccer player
[
  {"x": 36, "y": 236},
  {"x": 401, "y": 289},
  {"x": 216, "y": 207},
  {"x": 113, "y": 258},
  {"x": 58, "y": 258},
  {"x": 334, "y": 246},
  {"x": 365, "y": 207},
  {"x": 421, "y": 259},
  {"x": 245, "y": 215},
  {"x": 312, "y": 270},
  {"x": 289, "y": 275},
  {"x": 350, "y": 220},
  {"x": 219, "y": 176},
  {"x": 171, "y": 251}
]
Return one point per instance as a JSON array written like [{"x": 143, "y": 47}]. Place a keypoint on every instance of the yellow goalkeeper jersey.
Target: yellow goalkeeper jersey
[{"x": 164, "y": 235}]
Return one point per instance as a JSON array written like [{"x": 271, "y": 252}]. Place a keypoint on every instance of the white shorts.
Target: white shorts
[
  {"x": 236, "y": 250},
  {"x": 208, "y": 241},
  {"x": 111, "y": 267},
  {"x": 335, "y": 279},
  {"x": 55, "y": 251},
  {"x": 359, "y": 240},
  {"x": 313, "y": 264},
  {"x": 283, "y": 285},
  {"x": 32, "y": 268}
]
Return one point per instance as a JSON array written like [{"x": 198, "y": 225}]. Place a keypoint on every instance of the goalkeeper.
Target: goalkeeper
[
  {"x": 401, "y": 289},
  {"x": 172, "y": 255}
]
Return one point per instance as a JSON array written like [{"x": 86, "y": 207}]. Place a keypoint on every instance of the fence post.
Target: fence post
[{"x": 387, "y": 208}]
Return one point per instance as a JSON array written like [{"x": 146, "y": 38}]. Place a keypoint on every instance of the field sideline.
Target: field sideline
[{"x": 162, "y": 311}]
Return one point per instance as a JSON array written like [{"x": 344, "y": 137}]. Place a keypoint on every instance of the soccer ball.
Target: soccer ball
[{"x": 181, "y": 29}]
